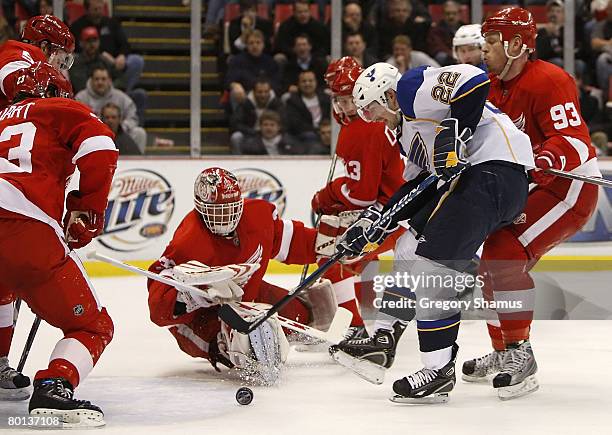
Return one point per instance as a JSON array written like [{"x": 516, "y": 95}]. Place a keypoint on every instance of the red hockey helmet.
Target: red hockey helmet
[
  {"x": 219, "y": 200},
  {"x": 39, "y": 80},
  {"x": 337, "y": 65},
  {"x": 50, "y": 29},
  {"x": 345, "y": 80},
  {"x": 510, "y": 22}
]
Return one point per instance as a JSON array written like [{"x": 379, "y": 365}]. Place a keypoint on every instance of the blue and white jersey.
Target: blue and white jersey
[{"x": 427, "y": 95}]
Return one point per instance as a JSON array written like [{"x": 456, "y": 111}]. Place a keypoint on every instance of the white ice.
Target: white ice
[{"x": 145, "y": 384}]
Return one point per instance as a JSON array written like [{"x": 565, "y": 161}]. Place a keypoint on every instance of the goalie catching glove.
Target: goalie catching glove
[
  {"x": 219, "y": 284},
  {"x": 449, "y": 148},
  {"x": 365, "y": 234}
]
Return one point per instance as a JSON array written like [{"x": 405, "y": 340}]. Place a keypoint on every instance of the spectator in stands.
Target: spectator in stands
[
  {"x": 352, "y": 22},
  {"x": 269, "y": 140},
  {"x": 304, "y": 112},
  {"x": 301, "y": 22},
  {"x": 401, "y": 19},
  {"x": 440, "y": 37},
  {"x": 100, "y": 91},
  {"x": 245, "y": 68},
  {"x": 244, "y": 120},
  {"x": 549, "y": 43},
  {"x": 325, "y": 133},
  {"x": 355, "y": 46},
  {"x": 601, "y": 43},
  {"x": 88, "y": 58},
  {"x": 302, "y": 59},
  {"x": 113, "y": 42},
  {"x": 405, "y": 58},
  {"x": 214, "y": 14},
  {"x": 111, "y": 116},
  {"x": 248, "y": 21},
  {"x": 45, "y": 7}
]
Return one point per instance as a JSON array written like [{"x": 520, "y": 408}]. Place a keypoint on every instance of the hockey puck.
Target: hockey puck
[{"x": 244, "y": 395}]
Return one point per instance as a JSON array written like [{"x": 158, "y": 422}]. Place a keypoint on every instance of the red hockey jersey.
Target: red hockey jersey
[
  {"x": 260, "y": 236},
  {"x": 542, "y": 101},
  {"x": 373, "y": 165},
  {"x": 15, "y": 55},
  {"x": 41, "y": 141}
]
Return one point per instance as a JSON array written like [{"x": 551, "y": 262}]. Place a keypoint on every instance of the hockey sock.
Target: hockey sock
[
  {"x": 495, "y": 333},
  {"x": 6, "y": 328},
  {"x": 345, "y": 296},
  {"x": 436, "y": 339},
  {"x": 60, "y": 368}
]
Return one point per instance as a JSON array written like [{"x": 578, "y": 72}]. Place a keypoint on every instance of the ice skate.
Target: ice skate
[
  {"x": 54, "y": 397},
  {"x": 480, "y": 369},
  {"x": 517, "y": 377},
  {"x": 427, "y": 386},
  {"x": 369, "y": 357},
  {"x": 13, "y": 384}
]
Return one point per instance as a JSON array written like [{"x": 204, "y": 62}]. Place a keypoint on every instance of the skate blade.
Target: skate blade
[
  {"x": 427, "y": 400},
  {"x": 365, "y": 369},
  {"x": 74, "y": 418},
  {"x": 529, "y": 385},
  {"x": 313, "y": 348},
  {"x": 15, "y": 394}
]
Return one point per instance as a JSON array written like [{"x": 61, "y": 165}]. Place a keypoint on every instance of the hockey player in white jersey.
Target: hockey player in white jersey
[{"x": 446, "y": 127}]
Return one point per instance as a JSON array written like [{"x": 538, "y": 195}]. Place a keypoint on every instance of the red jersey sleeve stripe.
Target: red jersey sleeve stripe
[
  {"x": 10, "y": 68},
  {"x": 358, "y": 202},
  {"x": 286, "y": 237},
  {"x": 581, "y": 148},
  {"x": 92, "y": 144}
]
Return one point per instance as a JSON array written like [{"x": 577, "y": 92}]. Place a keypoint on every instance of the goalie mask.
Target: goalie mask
[{"x": 219, "y": 200}]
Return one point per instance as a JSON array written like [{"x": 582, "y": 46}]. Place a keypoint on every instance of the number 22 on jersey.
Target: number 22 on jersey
[{"x": 21, "y": 152}]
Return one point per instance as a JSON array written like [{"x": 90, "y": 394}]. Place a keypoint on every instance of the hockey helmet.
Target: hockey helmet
[
  {"x": 371, "y": 87},
  {"x": 469, "y": 34},
  {"x": 50, "y": 29},
  {"x": 219, "y": 200},
  {"x": 40, "y": 80},
  {"x": 335, "y": 66},
  {"x": 511, "y": 22}
]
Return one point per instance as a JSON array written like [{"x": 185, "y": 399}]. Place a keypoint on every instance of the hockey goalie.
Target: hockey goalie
[{"x": 223, "y": 247}]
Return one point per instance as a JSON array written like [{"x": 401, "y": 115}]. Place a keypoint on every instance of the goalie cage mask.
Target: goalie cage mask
[{"x": 218, "y": 199}]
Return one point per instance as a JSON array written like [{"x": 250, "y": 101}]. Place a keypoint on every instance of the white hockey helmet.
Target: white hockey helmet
[
  {"x": 371, "y": 86},
  {"x": 470, "y": 34}
]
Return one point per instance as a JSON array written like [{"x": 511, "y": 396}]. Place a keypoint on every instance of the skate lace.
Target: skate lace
[
  {"x": 490, "y": 360},
  {"x": 350, "y": 332},
  {"x": 515, "y": 360},
  {"x": 420, "y": 378},
  {"x": 61, "y": 390}
]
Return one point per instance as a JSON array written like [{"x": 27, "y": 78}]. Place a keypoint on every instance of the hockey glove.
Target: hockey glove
[
  {"x": 81, "y": 224},
  {"x": 449, "y": 148},
  {"x": 549, "y": 157},
  {"x": 363, "y": 237}
]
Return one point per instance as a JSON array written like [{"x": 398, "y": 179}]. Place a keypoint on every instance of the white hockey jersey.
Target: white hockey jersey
[{"x": 427, "y": 95}]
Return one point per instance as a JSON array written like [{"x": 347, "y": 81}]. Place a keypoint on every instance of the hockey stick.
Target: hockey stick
[
  {"x": 232, "y": 318},
  {"x": 16, "y": 312},
  {"x": 330, "y": 175},
  {"x": 28, "y": 345},
  {"x": 586, "y": 178},
  {"x": 338, "y": 327}
]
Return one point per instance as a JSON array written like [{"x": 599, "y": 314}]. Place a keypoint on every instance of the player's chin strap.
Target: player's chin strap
[{"x": 510, "y": 59}]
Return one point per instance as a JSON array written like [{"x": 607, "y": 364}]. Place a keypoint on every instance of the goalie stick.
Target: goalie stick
[
  {"x": 337, "y": 329},
  {"x": 28, "y": 345},
  {"x": 233, "y": 319}
]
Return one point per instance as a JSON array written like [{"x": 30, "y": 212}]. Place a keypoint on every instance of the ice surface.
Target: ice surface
[{"x": 145, "y": 384}]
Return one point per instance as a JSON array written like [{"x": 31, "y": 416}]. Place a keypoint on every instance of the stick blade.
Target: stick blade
[
  {"x": 339, "y": 325},
  {"x": 233, "y": 319}
]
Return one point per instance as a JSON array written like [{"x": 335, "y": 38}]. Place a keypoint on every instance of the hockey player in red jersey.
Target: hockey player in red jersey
[
  {"x": 374, "y": 171},
  {"x": 541, "y": 100},
  {"x": 43, "y": 137},
  {"x": 45, "y": 38},
  {"x": 228, "y": 232}
]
